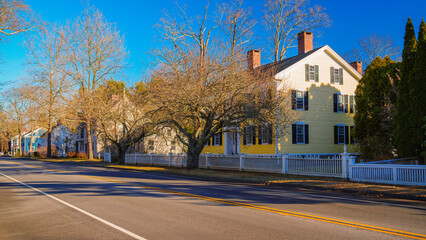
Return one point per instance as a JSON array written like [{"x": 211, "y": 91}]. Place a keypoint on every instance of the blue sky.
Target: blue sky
[{"x": 136, "y": 19}]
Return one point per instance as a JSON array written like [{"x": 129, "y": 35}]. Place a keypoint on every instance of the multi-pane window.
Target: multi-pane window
[
  {"x": 336, "y": 76},
  {"x": 341, "y": 134},
  {"x": 250, "y": 135},
  {"x": 299, "y": 100},
  {"x": 341, "y": 102},
  {"x": 217, "y": 139},
  {"x": 311, "y": 73},
  {"x": 151, "y": 145},
  {"x": 265, "y": 134},
  {"x": 300, "y": 133}
]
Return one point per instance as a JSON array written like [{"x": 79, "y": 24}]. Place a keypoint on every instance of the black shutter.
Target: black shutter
[
  {"x": 220, "y": 139},
  {"x": 259, "y": 139},
  {"x": 270, "y": 133},
  {"x": 351, "y": 105},
  {"x": 346, "y": 103},
  {"x": 346, "y": 135},
  {"x": 293, "y": 99},
  {"x": 316, "y": 73},
  {"x": 336, "y": 137},
  {"x": 254, "y": 134},
  {"x": 335, "y": 102},
  {"x": 352, "y": 133},
  {"x": 306, "y": 100},
  {"x": 208, "y": 142},
  {"x": 245, "y": 136},
  {"x": 306, "y": 134},
  {"x": 293, "y": 133}
]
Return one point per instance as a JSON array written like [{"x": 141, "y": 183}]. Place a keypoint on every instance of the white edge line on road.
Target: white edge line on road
[{"x": 80, "y": 210}]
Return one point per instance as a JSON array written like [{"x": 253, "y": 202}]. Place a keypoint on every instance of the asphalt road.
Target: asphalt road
[{"x": 41, "y": 200}]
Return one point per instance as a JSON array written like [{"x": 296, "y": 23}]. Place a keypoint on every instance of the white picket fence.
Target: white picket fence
[
  {"x": 171, "y": 160},
  {"x": 328, "y": 165},
  {"x": 316, "y": 164},
  {"x": 388, "y": 173}
]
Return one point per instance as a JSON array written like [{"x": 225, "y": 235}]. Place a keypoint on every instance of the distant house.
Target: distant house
[
  {"x": 29, "y": 145},
  {"x": 81, "y": 140},
  {"x": 14, "y": 145},
  {"x": 63, "y": 141}
]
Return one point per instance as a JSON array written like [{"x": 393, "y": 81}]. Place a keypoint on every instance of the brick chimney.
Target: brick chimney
[
  {"x": 253, "y": 59},
  {"x": 358, "y": 66},
  {"x": 305, "y": 40}
]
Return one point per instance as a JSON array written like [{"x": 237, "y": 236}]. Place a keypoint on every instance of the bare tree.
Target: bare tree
[
  {"x": 371, "y": 47},
  {"x": 122, "y": 116},
  {"x": 15, "y": 17},
  {"x": 94, "y": 52},
  {"x": 45, "y": 61},
  {"x": 285, "y": 18},
  {"x": 17, "y": 108},
  {"x": 200, "y": 91},
  {"x": 237, "y": 26}
]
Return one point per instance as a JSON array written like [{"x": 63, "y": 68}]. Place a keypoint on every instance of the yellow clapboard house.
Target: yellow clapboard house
[{"x": 322, "y": 87}]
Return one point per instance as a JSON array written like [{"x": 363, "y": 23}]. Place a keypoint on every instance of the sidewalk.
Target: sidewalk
[{"x": 271, "y": 179}]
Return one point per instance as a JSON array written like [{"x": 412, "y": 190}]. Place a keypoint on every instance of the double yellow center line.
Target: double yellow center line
[{"x": 251, "y": 206}]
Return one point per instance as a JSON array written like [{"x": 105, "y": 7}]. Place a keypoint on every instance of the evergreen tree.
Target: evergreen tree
[
  {"x": 417, "y": 83},
  {"x": 376, "y": 97},
  {"x": 402, "y": 135}
]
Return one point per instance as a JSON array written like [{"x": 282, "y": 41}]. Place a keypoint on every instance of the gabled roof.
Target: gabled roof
[{"x": 288, "y": 63}]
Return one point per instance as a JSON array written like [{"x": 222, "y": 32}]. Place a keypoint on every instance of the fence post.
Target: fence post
[
  {"x": 207, "y": 161},
  {"x": 242, "y": 162},
  {"x": 135, "y": 159},
  {"x": 394, "y": 177},
  {"x": 150, "y": 158},
  {"x": 170, "y": 158},
  {"x": 344, "y": 165},
  {"x": 284, "y": 165}
]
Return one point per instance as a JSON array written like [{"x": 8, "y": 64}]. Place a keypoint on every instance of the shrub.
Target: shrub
[
  {"x": 81, "y": 155},
  {"x": 42, "y": 151},
  {"x": 72, "y": 154}
]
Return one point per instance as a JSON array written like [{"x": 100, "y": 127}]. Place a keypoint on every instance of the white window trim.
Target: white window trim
[
  {"x": 303, "y": 100},
  {"x": 336, "y": 76},
  {"x": 216, "y": 137},
  {"x": 251, "y": 135},
  {"x": 262, "y": 129},
  {"x": 341, "y": 95},
  {"x": 313, "y": 72},
  {"x": 303, "y": 128},
  {"x": 344, "y": 134}
]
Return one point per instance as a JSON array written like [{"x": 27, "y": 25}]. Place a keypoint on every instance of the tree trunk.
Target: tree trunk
[
  {"x": 49, "y": 144},
  {"x": 31, "y": 141},
  {"x": 193, "y": 155},
  {"x": 89, "y": 141},
  {"x": 122, "y": 155}
]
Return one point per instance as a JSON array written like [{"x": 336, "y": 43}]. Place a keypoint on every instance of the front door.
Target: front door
[{"x": 232, "y": 140}]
